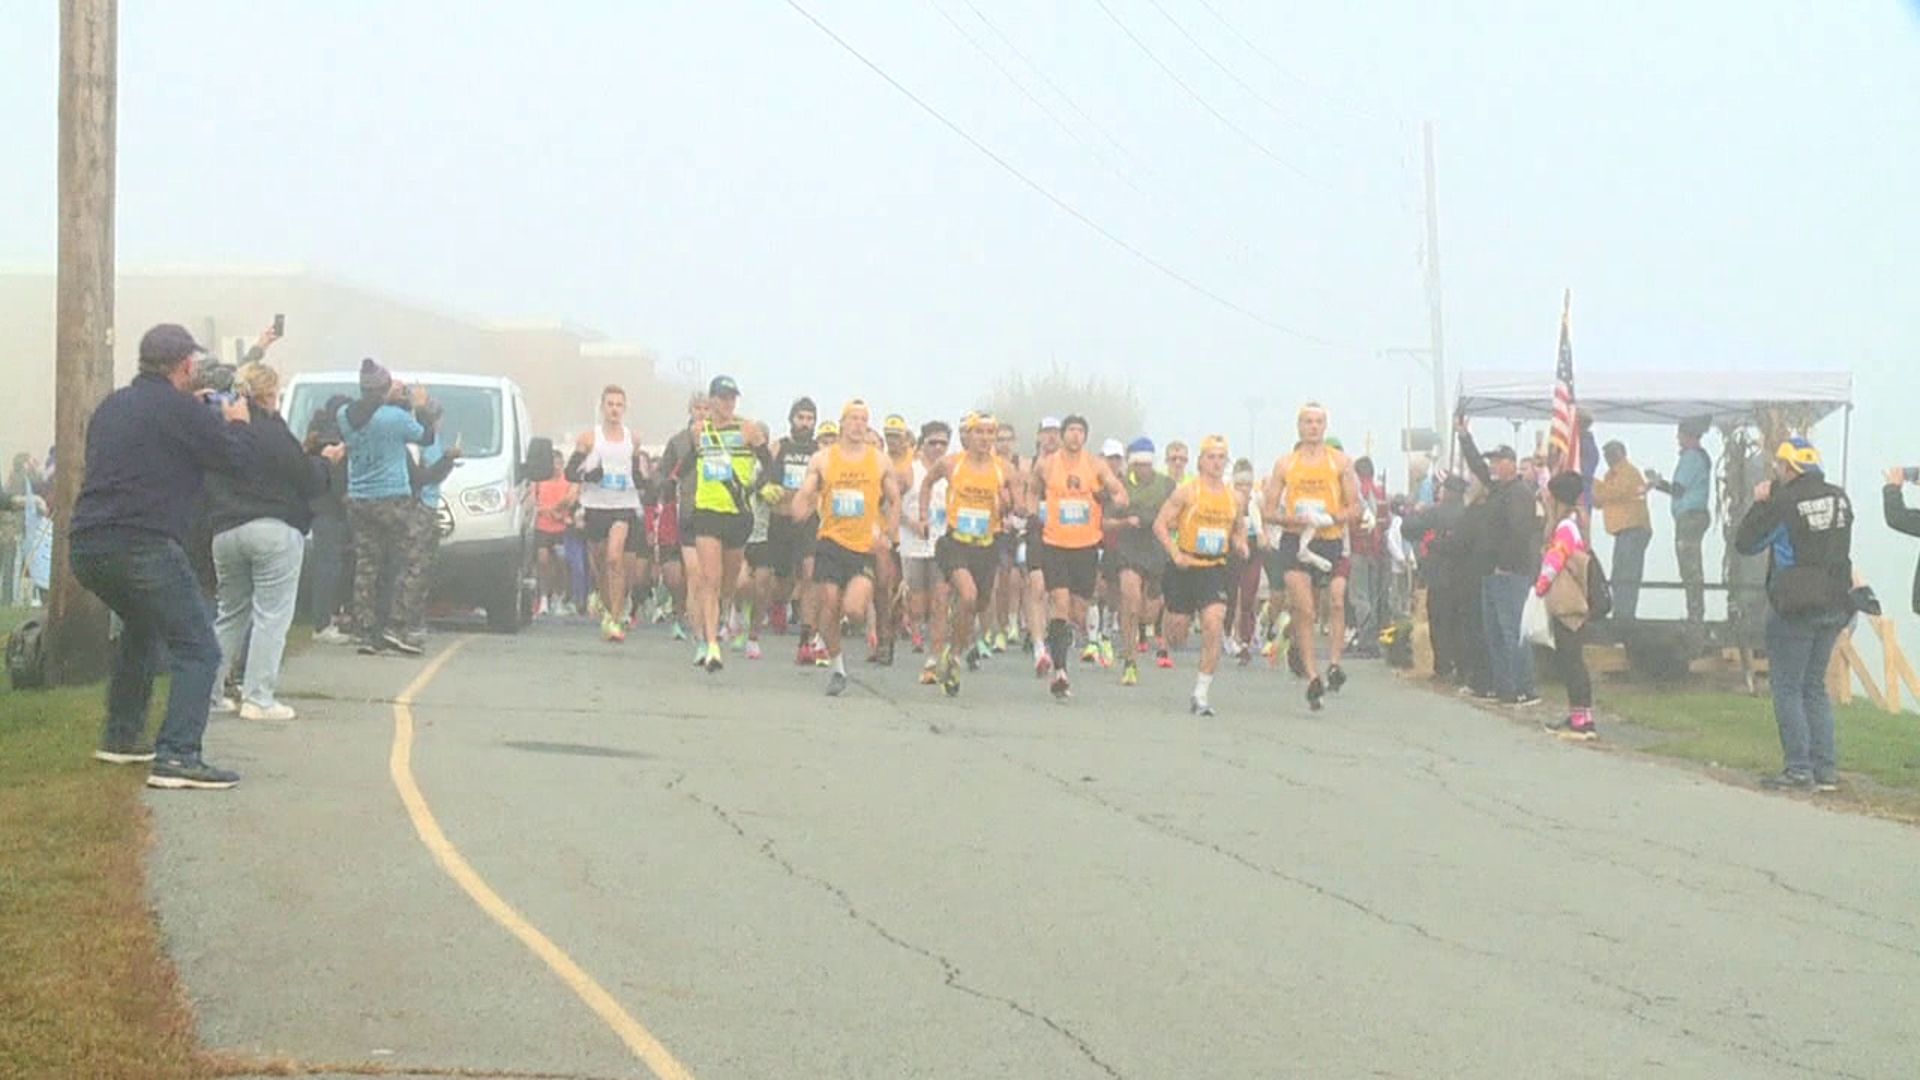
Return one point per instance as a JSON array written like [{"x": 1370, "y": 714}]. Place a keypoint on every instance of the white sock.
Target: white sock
[
  {"x": 840, "y": 663},
  {"x": 1201, "y": 684}
]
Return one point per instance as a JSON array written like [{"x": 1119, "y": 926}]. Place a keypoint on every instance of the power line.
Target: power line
[
  {"x": 1029, "y": 95},
  {"x": 1195, "y": 95},
  {"x": 1215, "y": 61},
  {"x": 1056, "y": 200},
  {"x": 1284, "y": 70},
  {"x": 1055, "y": 87}
]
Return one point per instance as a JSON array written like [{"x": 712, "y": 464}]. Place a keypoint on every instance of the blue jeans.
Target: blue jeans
[
  {"x": 259, "y": 570},
  {"x": 1799, "y": 647},
  {"x": 148, "y": 582},
  {"x": 1629, "y": 569},
  {"x": 1502, "y": 598}
]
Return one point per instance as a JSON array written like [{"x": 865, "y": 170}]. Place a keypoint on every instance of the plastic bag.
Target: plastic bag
[{"x": 1536, "y": 626}]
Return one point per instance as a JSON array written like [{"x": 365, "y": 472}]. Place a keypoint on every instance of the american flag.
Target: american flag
[{"x": 1564, "y": 442}]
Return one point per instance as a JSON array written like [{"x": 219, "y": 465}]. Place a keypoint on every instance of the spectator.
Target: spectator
[
  {"x": 1902, "y": 518},
  {"x": 555, "y": 498},
  {"x": 1691, "y": 492},
  {"x": 259, "y": 520},
  {"x": 149, "y": 448},
  {"x": 1564, "y": 556},
  {"x": 380, "y": 507},
  {"x": 1805, "y": 525},
  {"x": 1372, "y": 572},
  {"x": 1514, "y": 537},
  {"x": 330, "y": 555},
  {"x": 1621, "y": 496},
  {"x": 1439, "y": 545},
  {"x": 423, "y": 543}
]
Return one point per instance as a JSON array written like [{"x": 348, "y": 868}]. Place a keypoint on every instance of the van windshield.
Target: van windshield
[{"x": 472, "y": 413}]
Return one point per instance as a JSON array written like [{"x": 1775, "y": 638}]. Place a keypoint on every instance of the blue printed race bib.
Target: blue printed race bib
[
  {"x": 795, "y": 475},
  {"x": 937, "y": 520},
  {"x": 613, "y": 481},
  {"x": 717, "y": 468},
  {"x": 1075, "y": 511},
  {"x": 849, "y": 504},
  {"x": 972, "y": 524},
  {"x": 1211, "y": 543}
]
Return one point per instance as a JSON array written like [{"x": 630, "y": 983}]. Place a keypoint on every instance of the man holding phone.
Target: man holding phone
[{"x": 1902, "y": 518}]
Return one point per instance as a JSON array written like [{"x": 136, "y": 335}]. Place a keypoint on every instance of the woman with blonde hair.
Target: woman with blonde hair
[{"x": 260, "y": 520}]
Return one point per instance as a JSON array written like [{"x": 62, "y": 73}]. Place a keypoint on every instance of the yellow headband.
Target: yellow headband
[{"x": 851, "y": 407}]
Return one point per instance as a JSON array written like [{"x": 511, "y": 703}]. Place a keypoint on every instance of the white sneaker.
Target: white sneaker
[
  {"x": 333, "y": 635},
  {"x": 275, "y": 711},
  {"x": 222, "y": 705}
]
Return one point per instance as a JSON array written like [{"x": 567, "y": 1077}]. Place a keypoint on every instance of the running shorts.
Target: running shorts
[
  {"x": 835, "y": 565},
  {"x": 1191, "y": 590},
  {"x": 1076, "y": 570}
]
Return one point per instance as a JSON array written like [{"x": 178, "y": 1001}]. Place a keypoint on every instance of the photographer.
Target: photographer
[
  {"x": 149, "y": 447},
  {"x": 435, "y": 464},
  {"x": 330, "y": 554},
  {"x": 1805, "y": 525},
  {"x": 380, "y": 503},
  {"x": 1902, "y": 518},
  {"x": 218, "y": 378},
  {"x": 259, "y": 520}
]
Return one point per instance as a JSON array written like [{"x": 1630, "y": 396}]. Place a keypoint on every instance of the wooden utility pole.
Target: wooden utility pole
[
  {"x": 1442, "y": 422},
  {"x": 76, "y": 632}
]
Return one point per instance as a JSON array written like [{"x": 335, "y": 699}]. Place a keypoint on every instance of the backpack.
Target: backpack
[
  {"x": 26, "y": 659},
  {"x": 1599, "y": 592}
]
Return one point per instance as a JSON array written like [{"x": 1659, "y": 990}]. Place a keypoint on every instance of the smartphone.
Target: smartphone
[
  {"x": 279, "y": 326},
  {"x": 1912, "y": 474}
]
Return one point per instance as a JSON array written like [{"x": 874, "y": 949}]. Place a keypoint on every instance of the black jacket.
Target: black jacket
[
  {"x": 149, "y": 450},
  {"x": 1902, "y": 518},
  {"x": 1516, "y": 533},
  {"x": 1436, "y": 534},
  {"x": 1806, "y": 528},
  {"x": 281, "y": 480}
]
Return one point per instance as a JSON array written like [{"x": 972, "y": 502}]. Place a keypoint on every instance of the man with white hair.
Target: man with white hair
[{"x": 1314, "y": 497}]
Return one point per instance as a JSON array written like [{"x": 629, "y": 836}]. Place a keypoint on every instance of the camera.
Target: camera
[{"x": 217, "y": 378}]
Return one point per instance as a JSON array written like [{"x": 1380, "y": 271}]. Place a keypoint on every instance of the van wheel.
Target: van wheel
[{"x": 511, "y": 608}]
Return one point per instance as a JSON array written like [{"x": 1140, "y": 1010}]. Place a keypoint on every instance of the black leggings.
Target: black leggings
[{"x": 1570, "y": 654}]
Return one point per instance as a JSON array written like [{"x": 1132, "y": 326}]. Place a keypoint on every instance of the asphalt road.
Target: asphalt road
[{"x": 894, "y": 884}]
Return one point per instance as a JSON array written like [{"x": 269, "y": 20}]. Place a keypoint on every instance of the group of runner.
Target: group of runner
[{"x": 953, "y": 537}]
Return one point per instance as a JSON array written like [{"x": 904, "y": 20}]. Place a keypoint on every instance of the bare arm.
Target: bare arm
[
  {"x": 923, "y": 512},
  {"x": 809, "y": 492},
  {"x": 890, "y": 506},
  {"x": 1350, "y": 499},
  {"x": 1115, "y": 489},
  {"x": 1240, "y": 526}
]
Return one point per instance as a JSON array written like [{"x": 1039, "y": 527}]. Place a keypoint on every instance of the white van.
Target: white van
[{"x": 487, "y": 507}]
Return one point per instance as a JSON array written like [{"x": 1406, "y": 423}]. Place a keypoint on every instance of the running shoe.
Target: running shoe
[
  {"x": 1106, "y": 652},
  {"x": 1130, "y": 673},
  {"x": 1000, "y": 642},
  {"x": 753, "y": 648},
  {"x": 1165, "y": 659},
  {"x": 1062, "y": 687},
  {"x": 1198, "y": 707},
  {"x": 1336, "y": 678},
  {"x": 1042, "y": 665},
  {"x": 1315, "y": 691},
  {"x": 836, "y": 684},
  {"x": 1573, "y": 729},
  {"x": 1090, "y": 654},
  {"x": 928, "y": 676}
]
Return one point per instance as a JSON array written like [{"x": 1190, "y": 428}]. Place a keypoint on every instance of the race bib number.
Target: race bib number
[
  {"x": 612, "y": 481},
  {"x": 973, "y": 524},
  {"x": 1042, "y": 517},
  {"x": 716, "y": 468},
  {"x": 734, "y": 441},
  {"x": 1075, "y": 512},
  {"x": 1210, "y": 542},
  {"x": 849, "y": 504},
  {"x": 937, "y": 520},
  {"x": 1314, "y": 510},
  {"x": 794, "y": 476}
]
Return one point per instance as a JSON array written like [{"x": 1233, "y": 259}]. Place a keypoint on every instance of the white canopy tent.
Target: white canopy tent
[
  {"x": 1656, "y": 397},
  {"x": 1662, "y": 397}
]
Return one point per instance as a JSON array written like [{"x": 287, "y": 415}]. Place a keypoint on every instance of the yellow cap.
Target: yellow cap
[
  {"x": 1213, "y": 442},
  {"x": 826, "y": 428},
  {"x": 1799, "y": 453},
  {"x": 896, "y": 425},
  {"x": 853, "y": 405}
]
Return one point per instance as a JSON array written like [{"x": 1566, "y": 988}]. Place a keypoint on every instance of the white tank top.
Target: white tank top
[
  {"x": 911, "y": 544},
  {"x": 615, "y": 489}
]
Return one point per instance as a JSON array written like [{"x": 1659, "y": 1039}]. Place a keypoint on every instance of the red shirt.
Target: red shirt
[{"x": 1372, "y": 544}]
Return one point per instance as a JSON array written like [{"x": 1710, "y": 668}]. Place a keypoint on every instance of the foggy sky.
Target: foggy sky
[{"x": 1721, "y": 184}]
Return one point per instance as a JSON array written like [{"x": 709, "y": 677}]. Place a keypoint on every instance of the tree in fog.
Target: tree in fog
[{"x": 1112, "y": 409}]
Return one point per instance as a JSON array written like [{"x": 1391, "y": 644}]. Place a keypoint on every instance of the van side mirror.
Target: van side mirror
[{"x": 538, "y": 468}]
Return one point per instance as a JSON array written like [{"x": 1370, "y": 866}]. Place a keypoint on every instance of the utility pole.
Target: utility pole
[
  {"x": 1436, "y": 329},
  {"x": 76, "y": 633}
]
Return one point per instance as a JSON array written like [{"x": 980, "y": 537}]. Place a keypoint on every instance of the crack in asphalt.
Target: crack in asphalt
[{"x": 951, "y": 973}]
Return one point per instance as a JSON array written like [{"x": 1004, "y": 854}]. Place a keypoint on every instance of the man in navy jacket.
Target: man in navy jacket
[{"x": 149, "y": 447}]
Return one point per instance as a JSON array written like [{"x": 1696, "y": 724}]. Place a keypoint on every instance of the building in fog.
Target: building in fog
[{"x": 331, "y": 324}]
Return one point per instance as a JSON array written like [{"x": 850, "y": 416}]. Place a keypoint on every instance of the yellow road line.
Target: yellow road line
[{"x": 638, "y": 1039}]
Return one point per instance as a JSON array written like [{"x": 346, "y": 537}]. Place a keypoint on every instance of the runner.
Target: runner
[
  {"x": 604, "y": 465},
  {"x": 729, "y": 451},
  {"x": 1317, "y": 487},
  {"x": 555, "y": 498},
  {"x": 979, "y": 490},
  {"x": 918, "y": 540},
  {"x": 1009, "y": 598},
  {"x": 858, "y": 500},
  {"x": 899, "y": 443},
  {"x": 1106, "y": 593},
  {"x": 1211, "y": 521},
  {"x": 757, "y": 591},
  {"x": 1070, "y": 480},
  {"x": 1177, "y": 458},
  {"x": 1244, "y": 571},
  {"x": 675, "y": 488},
  {"x": 790, "y": 542},
  {"x": 1142, "y": 557},
  {"x": 1035, "y": 612}
]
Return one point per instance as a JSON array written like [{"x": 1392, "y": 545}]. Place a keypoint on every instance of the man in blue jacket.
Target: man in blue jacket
[
  {"x": 1691, "y": 491},
  {"x": 149, "y": 448}
]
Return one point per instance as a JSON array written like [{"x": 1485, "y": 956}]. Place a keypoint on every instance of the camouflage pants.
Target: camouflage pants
[
  {"x": 384, "y": 532},
  {"x": 423, "y": 546}
]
